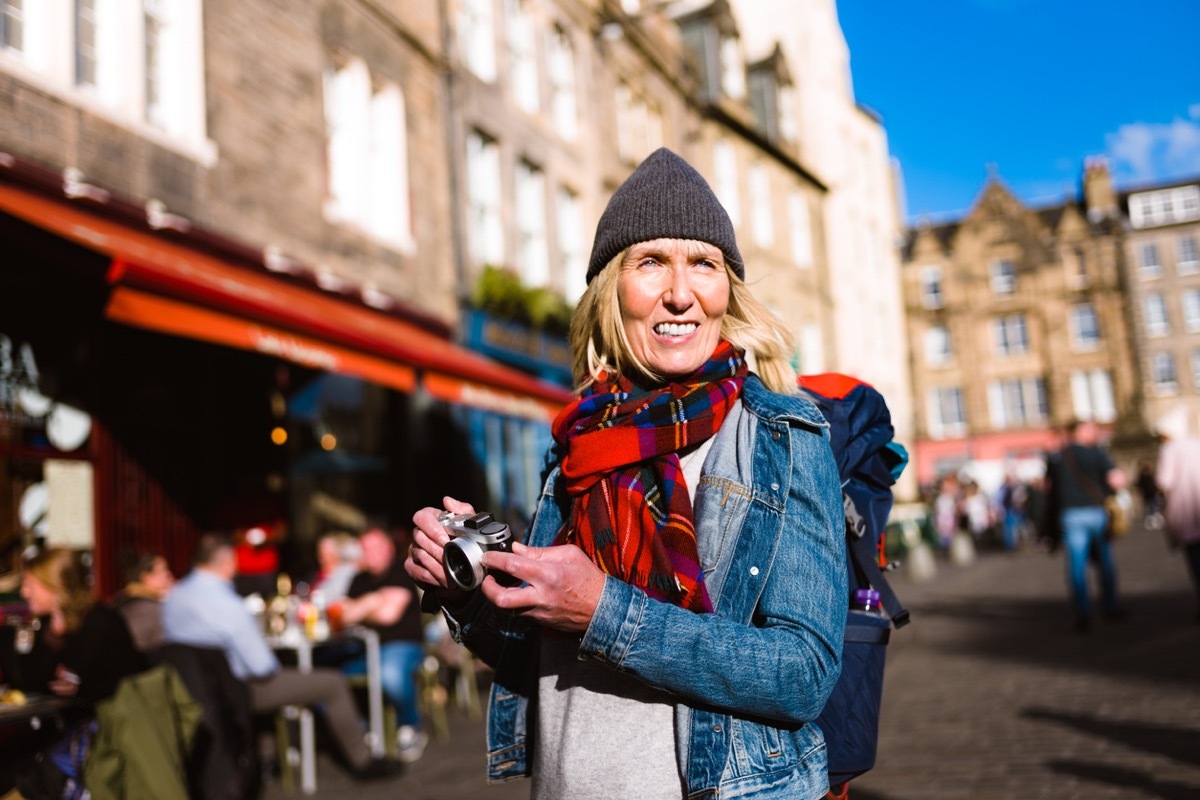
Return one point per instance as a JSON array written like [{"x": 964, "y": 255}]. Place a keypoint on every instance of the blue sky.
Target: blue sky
[{"x": 1029, "y": 87}]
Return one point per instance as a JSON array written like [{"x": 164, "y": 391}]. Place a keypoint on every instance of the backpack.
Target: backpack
[{"x": 869, "y": 463}]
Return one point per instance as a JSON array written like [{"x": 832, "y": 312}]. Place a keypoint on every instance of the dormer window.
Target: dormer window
[{"x": 733, "y": 68}]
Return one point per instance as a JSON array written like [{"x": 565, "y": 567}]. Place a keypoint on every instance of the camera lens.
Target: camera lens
[{"x": 463, "y": 560}]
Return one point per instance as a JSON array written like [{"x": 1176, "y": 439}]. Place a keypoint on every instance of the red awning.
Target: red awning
[{"x": 170, "y": 287}]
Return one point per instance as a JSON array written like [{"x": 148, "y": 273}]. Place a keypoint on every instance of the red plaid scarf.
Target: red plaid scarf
[{"x": 632, "y": 514}]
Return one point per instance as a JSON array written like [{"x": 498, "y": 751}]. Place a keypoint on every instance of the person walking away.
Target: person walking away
[
  {"x": 1152, "y": 499},
  {"x": 1011, "y": 501},
  {"x": 1178, "y": 476},
  {"x": 203, "y": 610},
  {"x": 1081, "y": 476},
  {"x": 945, "y": 511},
  {"x": 690, "y": 531},
  {"x": 149, "y": 580},
  {"x": 384, "y": 597}
]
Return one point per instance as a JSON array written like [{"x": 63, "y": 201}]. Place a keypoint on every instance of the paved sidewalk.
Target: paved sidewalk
[{"x": 990, "y": 694}]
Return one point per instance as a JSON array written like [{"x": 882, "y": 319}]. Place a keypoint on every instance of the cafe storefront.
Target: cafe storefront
[{"x": 153, "y": 386}]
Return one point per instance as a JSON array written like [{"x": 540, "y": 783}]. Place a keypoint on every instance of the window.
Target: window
[
  {"x": 533, "y": 260},
  {"x": 946, "y": 413},
  {"x": 1084, "y": 327},
  {"x": 938, "y": 348},
  {"x": 762, "y": 206},
  {"x": 789, "y": 123},
  {"x": 931, "y": 287},
  {"x": 485, "y": 226},
  {"x": 1092, "y": 395},
  {"x": 1196, "y": 368},
  {"x": 571, "y": 240},
  {"x": 12, "y": 24},
  {"x": 522, "y": 55},
  {"x": 1186, "y": 257},
  {"x": 1017, "y": 402},
  {"x": 1163, "y": 375},
  {"x": 733, "y": 70},
  {"x": 560, "y": 60},
  {"x": 1010, "y": 334},
  {"x": 156, "y": 37},
  {"x": 1164, "y": 206},
  {"x": 725, "y": 167},
  {"x": 85, "y": 43},
  {"x": 800, "y": 227},
  {"x": 1003, "y": 276},
  {"x": 367, "y": 155},
  {"x": 1077, "y": 269},
  {"x": 1148, "y": 261},
  {"x": 1190, "y": 301},
  {"x": 477, "y": 38},
  {"x": 1155, "y": 309}
]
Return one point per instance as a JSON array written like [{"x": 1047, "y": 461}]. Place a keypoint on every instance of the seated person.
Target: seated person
[
  {"x": 149, "y": 579},
  {"x": 203, "y": 610},
  {"x": 384, "y": 597},
  {"x": 82, "y": 650},
  {"x": 338, "y": 554}
]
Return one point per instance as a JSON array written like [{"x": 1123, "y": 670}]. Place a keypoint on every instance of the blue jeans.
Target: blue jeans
[
  {"x": 399, "y": 662},
  {"x": 1084, "y": 528},
  {"x": 1012, "y": 528}
]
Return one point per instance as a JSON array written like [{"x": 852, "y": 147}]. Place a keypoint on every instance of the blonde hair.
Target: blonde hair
[
  {"x": 598, "y": 342},
  {"x": 64, "y": 573}
]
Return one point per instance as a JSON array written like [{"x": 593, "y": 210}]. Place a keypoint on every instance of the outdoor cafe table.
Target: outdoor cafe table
[
  {"x": 39, "y": 710},
  {"x": 293, "y": 639}
]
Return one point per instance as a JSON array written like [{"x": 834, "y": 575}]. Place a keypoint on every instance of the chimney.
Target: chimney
[{"x": 1098, "y": 194}]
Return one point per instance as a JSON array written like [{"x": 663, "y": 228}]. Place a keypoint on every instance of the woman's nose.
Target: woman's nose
[{"x": 679, "y": 293}]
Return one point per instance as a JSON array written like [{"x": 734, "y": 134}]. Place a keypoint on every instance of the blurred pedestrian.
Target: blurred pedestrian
[
  {"x": 1080, "y": 476},
  {"x": 1178, "y": 476},
  {"x": 1151, "y": 495},
  {"x": 1010, "y": 499},
  {"x": 338, "y": 554},
  {"x": 148, "y": 581},
  {"x": 945, "y": 511}
]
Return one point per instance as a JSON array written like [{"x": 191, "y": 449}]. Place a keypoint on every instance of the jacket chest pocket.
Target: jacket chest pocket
[{"x": 720, "y": 508}]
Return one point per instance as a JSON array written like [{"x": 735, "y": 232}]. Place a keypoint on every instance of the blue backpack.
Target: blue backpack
[{"x": 869, "y": 463}]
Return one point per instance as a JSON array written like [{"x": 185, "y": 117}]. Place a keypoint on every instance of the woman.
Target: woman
[
  {"x": 140, "y": 603},
  {"x": 82, "y": 650},
  {"x": 684, "y": 590},
  {"x": 1178, "y": 476}
]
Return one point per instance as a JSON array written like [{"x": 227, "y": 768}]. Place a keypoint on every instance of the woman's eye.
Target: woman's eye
[{"x": 706, "y": 264}]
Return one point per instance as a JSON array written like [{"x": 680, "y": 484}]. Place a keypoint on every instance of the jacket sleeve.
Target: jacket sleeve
[{"x": 784, "y": 661}]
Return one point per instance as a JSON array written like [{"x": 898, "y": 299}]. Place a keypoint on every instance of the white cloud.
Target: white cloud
[{"x": 1145, "y": 152}]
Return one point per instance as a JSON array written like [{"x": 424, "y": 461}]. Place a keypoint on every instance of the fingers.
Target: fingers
[{"x": 457, "y": 506}]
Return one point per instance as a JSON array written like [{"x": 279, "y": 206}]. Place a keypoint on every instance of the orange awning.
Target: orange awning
[{"x": 169, "y": 286}]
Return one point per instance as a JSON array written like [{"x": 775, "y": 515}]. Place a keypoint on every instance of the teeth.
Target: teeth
[{"x": 671, "y": 329}]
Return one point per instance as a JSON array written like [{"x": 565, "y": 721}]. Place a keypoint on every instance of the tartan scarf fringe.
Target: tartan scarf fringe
[{"x": 631, "y": 512}]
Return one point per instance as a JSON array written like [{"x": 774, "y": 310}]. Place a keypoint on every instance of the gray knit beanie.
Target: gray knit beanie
[{"x": 664, "y": 198}]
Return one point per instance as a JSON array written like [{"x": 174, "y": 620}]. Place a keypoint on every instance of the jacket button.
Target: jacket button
[
  {"x": 775, "y": 435},
  {"x": 754, "y": 570},
  {"x": 774, "y": 487},
  {"x": 717, "y": 728}
]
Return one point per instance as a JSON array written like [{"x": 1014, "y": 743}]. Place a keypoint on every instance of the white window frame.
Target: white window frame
[
  {"x": 1189, "y": 301},
  {"x": 522, "y": 55},
  {"x": 727, "y": 186},
  {"x": 1163, "y": 375},
  {"x": 12, "y": 25},
  {"x": 1084, "y": 326},
  {"x": 484, "y": 200},
  {"x": 943, "y": 425},
  {"x": 571, "y": 238},
  {"x": 939, "y": 347},
  {"x": 477, "y": 37},
  {"x": 1092, "y": 395},
  {"x": 789, "y": 115},
  {"x": 762, "y": 206},
  {"x": 1195, "y": 358},
  {"x": 1149, "y": 260},
  {"x": 1164, "y": 206},
  {"x": 533, "y": 258},
  {"x": 560, "y": 71},
  {"x": 932, "y": 290},
  {"x": 1002, "y": 276},
  {"x": 800, "y": 226},
  {"x": 1154, "y": 307},
  {"x": 733, "y": 68},
  {"x": 1187, "y": 254},
  {"x": 1010, "y": 332},
  {"x": 1017, "y": 402}
]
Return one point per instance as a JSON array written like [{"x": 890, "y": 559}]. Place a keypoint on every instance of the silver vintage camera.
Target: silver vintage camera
[{"x": 471, "y": 536}]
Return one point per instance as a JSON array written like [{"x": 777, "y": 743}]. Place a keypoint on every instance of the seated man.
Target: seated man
[
  {"x": 149, "y": 579},
  {"x": 384, "y": 597},
  {"x": 203, "y": 610}
]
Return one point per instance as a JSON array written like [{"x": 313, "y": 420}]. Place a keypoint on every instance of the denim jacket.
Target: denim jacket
[{"x": 749, "y": 677}]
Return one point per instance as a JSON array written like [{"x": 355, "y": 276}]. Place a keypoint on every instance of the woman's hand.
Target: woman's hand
[
  {"x": 563, "y": 589},
  {"x": 65, "y": 683},
  {"x": 424, "y": 562}
]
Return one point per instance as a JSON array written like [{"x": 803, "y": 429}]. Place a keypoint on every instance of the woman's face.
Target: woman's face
[
  {"x": 159, "y": 579},
  {"x": 40, "y": 597},
  {"x": 673, "y": 294}
]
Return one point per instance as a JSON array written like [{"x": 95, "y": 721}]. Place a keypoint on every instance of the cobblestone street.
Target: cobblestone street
[{"x": 991, "y": 694}]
